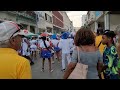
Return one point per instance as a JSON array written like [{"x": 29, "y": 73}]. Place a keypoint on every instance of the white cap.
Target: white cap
[{"x": 9, "y": 29}]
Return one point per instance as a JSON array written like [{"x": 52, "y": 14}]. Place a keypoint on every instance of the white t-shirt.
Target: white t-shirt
[
  {"x": 71, "y": 43},
  {"x": 42, "y": 44},
  {"x": 73, "y": 33},
  {"x": 39, "y": 41},
  {"x": 33, "y": 47},
  {"x": 65, "y": 45},
  {"x": 33, "y": 42},
  {"x": 24, "y": 47},
  {"x": 55, "y": 42}
]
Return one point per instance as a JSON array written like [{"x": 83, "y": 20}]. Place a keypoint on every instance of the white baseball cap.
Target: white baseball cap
[{"x": 9, "y": 29}]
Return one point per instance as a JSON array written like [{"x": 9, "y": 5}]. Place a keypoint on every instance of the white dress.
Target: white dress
[{"x": 33, "y": 47}]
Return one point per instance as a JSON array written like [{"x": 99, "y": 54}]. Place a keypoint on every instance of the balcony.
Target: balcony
[{"x": 26, "y": 14}]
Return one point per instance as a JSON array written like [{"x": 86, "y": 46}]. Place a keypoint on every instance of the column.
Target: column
[
  {"x": 96, "y": 26},
  {"x": 46, "y": 30},
  {"x": 52, "y": 30},
  {"x": 36, "y": 30},
  {"x": 107, "y": 21},
  {"x": 28, "y": 27}
]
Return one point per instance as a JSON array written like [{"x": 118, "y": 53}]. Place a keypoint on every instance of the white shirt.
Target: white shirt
[
  {"x": 73, "y": 33},
  {"x": 65, "y": 45},
  {"x": 42, "y": 44},
  {"x": 24, "y": 47},
  {"x": 55, "y": 42},
  {"x": 71, "y": 43},
  {"x": 33, "y": 47},
  {"x": 33, "y": 42},
  {"x": 39, "y": 41}
]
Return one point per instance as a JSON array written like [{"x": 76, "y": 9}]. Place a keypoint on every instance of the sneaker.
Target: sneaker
[
  {"x": 42, "y": 70},
  {"x": 51, "y": 70},
  {"x": 63, "y": 70},
  {"x": 32, "y": 63}
]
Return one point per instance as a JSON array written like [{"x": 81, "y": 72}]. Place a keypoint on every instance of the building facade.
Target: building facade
[
  {"x": 45, "y": 21},
  {"x": 41, "y": 21},
  {"x": 68, "y": 24},
  {"x": 112, "y": 19},
  {"x": 84, "y": 19},
  {"x": 26, "y": 18},
  {"x": 71, "y": 27},
  {"x": 91, "y": 20},
  {"x": 58, "y": 23},
  {"x": 48, "y": 21},
  {"x": 104, "y": 19}
]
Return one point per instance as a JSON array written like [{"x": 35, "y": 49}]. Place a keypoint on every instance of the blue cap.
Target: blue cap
[
  {"x": 65, "y": 35},
  {"x": 54, "y": 36}
]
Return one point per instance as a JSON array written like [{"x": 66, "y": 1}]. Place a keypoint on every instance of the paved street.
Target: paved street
[{"x": 38, "y": 74}]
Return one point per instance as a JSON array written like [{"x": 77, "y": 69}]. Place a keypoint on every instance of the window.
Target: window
[
  {"x": 51, "y": 19},
  {"x": 45, "y": 16},
  {"x": 48, "y": 18}
]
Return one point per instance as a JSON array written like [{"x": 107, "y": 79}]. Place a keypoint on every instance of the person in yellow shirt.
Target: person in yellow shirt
[
  {"x": 12, "y": 66},
  {"x": 98, "y": 40}
]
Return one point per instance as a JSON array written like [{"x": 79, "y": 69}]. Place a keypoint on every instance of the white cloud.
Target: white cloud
[{"x": 76, "y": 17}]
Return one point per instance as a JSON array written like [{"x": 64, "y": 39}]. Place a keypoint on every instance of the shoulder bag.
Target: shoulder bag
[
  {"x": 101, "y": 75},
  {"x": 80, "y": 71}
]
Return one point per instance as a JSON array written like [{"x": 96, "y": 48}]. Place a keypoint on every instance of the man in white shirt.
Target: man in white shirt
[
  {"x": 72, "y": 44},
  {"x": 25, "y": 50},
  {"x": 33, "y": 47},
  {"x": 65, "y": 45},
  {"x": 39, "y": 42}
]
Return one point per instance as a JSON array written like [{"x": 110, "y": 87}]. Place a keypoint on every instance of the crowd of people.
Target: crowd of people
[
  {"x": 14, "y": 41},
  {"x": 100, "y": 51},
  {"x": 48, "y": 47}
]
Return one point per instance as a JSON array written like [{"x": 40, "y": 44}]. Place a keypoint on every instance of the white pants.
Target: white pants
[{"x": 64, "y": 57}]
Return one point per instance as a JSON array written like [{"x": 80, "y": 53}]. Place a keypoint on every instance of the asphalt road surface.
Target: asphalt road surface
[{"x": 38, "y": 74}]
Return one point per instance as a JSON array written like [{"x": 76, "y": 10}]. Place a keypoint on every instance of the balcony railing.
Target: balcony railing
[{"x": 27, "y": 14}]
